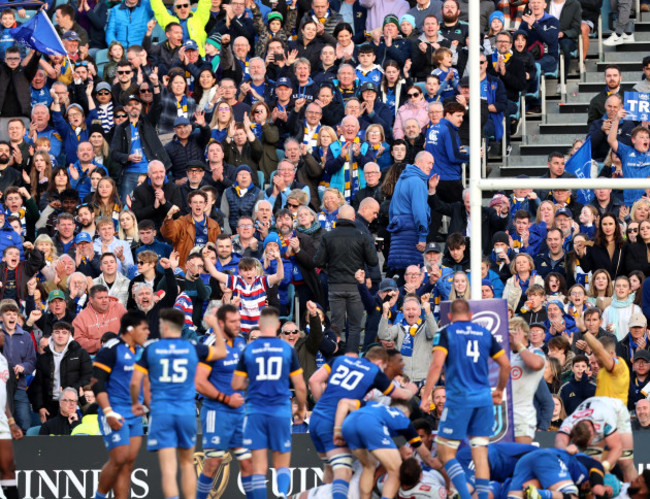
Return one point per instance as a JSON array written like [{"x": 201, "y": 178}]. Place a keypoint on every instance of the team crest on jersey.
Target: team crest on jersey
[{"x": 516, "y": 373}]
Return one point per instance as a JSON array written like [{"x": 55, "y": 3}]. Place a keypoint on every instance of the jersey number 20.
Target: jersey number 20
[
  {"x": 269, "y": 369},
  {"x": 472, "y": 350},
  {"x": 178, "y": 371},
  {"x": 345, "y": 378}
]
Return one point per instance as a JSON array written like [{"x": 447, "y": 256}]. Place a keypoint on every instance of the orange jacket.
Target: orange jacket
[{"x": 181, "y": 233}]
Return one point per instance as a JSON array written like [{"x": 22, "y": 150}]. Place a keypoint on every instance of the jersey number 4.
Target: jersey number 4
[
  {"x": 269, "y": 369},
  {"x": 178, "y": 371},
  {"x": 472, "y": 350}
]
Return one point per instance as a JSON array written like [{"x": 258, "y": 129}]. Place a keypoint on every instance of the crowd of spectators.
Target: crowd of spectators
[{"x": 268, "y": 153}]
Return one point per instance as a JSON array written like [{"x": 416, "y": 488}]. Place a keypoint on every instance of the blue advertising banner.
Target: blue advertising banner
[
  {"x": 493, "y": 316},
  {"x": 637, "y": 105}
]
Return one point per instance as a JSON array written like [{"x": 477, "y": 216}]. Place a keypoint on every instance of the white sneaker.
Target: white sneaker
[
  {"x": 613, "y": 40},
  {"x": 628, "y": 38}
]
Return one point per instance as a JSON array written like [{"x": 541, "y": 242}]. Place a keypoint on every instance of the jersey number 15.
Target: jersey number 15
[{"x": 178, "y": 371}]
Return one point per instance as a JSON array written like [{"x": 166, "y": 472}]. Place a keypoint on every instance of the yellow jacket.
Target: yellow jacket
[{"x": 195, "y": 23}]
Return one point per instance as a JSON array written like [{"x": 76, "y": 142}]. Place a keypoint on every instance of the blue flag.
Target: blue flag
[
  {"x": 580, "y": 165},
  {"x": 39, "y": 33}
]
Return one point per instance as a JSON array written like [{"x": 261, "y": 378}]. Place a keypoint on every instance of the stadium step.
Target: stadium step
[
  {"x": 630, "y": 76},
  {"x": 638, "y": 46},
  {"x": 564, "y": 128},
  {"x": 626, "y": 67},
  {"x": 530, "y": 170},
  {"x": 541, "y": 148},
  {"x": 573, "y": 107},
  {"x": 598, "y": 86}
]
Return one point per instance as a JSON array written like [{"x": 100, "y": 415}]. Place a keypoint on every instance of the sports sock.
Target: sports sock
[
  {"x": 258, "y": 486},
  {"x": 247, "y": 484},
  {"x": 283, "y": 477},
  {"x": 10, "y": 490},
  {"x": 545, "y": 494},
  {"x": 340, "y": 489},
  {"x": 482, "y": 488},
  {"x": 457, "y": 476},
  {"x": 203, "y": 486},
  {"x": 98, "y": 495}
]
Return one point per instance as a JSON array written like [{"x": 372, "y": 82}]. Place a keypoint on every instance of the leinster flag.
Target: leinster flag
[
  {"x": 580, "y": 165},
  {"x": 39, "y": 34}
]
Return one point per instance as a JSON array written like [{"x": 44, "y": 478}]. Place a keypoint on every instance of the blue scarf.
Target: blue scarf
[{"x": 409, "y": 337}]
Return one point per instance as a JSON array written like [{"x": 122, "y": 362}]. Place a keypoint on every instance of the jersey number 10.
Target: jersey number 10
[
  {"x": 472, "y": 350},
  {"x": 268, "y": 369}
]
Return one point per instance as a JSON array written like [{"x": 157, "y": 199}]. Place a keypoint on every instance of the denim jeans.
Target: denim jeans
[
  {"x": 345, "y": 301},
  {"x": 22, "y": 411},
  {"x": 129, "y": 182}
]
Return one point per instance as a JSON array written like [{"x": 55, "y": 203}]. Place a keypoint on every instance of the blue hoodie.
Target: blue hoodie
[
  {"x": 546, "y": 31},
  {"x": 443, "y": 142},
  {"x": 409, "y": 209},
  {"x": 9, "y": 237}
]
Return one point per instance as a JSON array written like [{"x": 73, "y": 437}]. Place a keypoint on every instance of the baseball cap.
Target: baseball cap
[
  {"x": 284, "y": 81},
  {"x": 180, "y": 121},
  {"x": 642, "y": 355},
  {"x": 133, "y": 97},
  {"x": 537, "y": 324},
  {"x": 637, "y": 320},
  {"x": 102, "y": 86},
  {"x": 71, "y": 35},
  {"x": 190, "y": 45},
  {"x": 55, "y": 294},
  {"x": 564, "y": 211},
  {"x": 368, "y": 86},
  {"x": 435, "y": 247},
  {"x": 83, "y": 237},
  {"x": 387, "y": 285}
]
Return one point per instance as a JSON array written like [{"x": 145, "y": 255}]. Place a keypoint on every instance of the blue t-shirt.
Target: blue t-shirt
[
  {"x": 635, "y": 164},
  {"x": 221, "y": 372},
  {"x": 136, "y": 147},
  {"x": 171, "y": 365},
  {"x": 468, "y": 347},
  {"x": 350, "y": 378},
  {"x": 117, "y": 358},
  {"x": 269, "y": 363}
]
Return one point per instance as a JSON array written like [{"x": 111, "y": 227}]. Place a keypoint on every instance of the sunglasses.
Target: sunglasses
[
  {"x": 182, "y": 6},
  {"x": 257, "y": 111},
  {"x": 145, "y": 90},
  {"x": 120, "y": 115},
  {"x": 291, "y": 331},
  {"x": 140, "y": 262},
  {"x": 124, "y": 72},
  {"x": 414, "y": 94},
  {"x": 633, "y": 231},
  {"x": 103, "y": 92},
  {"x": 291, "y": 205}
]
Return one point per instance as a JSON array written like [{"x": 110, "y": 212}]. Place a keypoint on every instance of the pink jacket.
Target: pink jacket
[
  {"x": 89, "y": 325},
  {"x": 418, "y": 110}
]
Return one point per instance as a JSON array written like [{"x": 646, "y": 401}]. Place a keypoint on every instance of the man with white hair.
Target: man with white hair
[
  {"x": 64, "y": 422},
  {"x": 345, "y": 169},
  {"x": 152, "y": 200},
  {"x": 40, "y": 127},
  {"x": 150, "y": 303}
]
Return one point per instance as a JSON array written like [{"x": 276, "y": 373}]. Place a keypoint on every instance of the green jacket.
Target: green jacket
[{"x": 195, "y": 23}]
